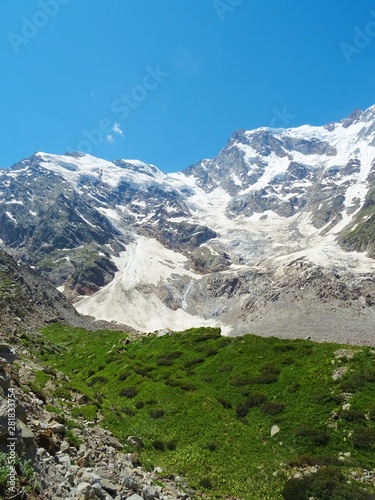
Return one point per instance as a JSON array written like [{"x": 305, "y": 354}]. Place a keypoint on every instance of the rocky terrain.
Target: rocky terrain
[{"x": 29, "y": 301}]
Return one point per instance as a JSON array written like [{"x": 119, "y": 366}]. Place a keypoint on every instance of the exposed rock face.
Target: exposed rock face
[
  {"x": 29, "y": 300},
  {"x": 42, "y": 217},
  {"x": 15, "y": 436},
  {"x": 360, "y": 234}
]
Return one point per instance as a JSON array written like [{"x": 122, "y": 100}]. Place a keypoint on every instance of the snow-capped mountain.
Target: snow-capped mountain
[{"x": 258, "y": 237}]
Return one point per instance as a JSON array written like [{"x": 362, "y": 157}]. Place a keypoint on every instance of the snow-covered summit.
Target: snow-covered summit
[{"x": 77, "y": 168}]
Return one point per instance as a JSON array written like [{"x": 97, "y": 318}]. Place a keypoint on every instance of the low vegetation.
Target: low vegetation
[
  {"x": 24, "y": 478},
  {"x": 205, "y": 406}
]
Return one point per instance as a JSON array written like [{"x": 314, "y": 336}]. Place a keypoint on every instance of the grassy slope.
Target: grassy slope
[{"x": 192, "y": 405}]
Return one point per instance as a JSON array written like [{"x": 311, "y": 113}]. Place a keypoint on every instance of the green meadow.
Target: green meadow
[{"x": 204, "y": 406}]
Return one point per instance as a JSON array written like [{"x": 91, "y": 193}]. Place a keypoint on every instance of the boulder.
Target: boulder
[
  {"x": 7, "y": 353},
  {"x": 4, "y": 382},
  {"x": 108, "y": 486},
  {"x": 150, "y": 493},
  {"x": 274, "y": 430},
  {"x": 99, "y": 492},
  {"x": 135, "y": 441},
  {"x": 45, "y": 440},
  {"x": 58, "y": 428},
  {"x": 112, "y": 441},
  {"x": 63, "y": 459},
  {"x": 130, "y": 483},
  {"x": 90, "y": 477},
  {"x": 85, "y": 491}
]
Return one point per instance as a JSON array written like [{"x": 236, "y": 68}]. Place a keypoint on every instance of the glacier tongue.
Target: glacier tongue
[{"x": 132, "y": 298}]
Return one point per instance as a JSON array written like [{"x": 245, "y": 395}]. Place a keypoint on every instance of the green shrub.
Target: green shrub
[
  {"x": 354, "y": 381},
  {"x": 225, "y": 403},
  {"x": 226, "y": 368},
  {"x": 284, "y": 348},
  {"x": 25, "y": 478},
  {"x": 242, "y": 410},
  {"x": 97, "y": 380},
  {"x": 364, "y": 438},
  {"x": 129, "y": 392},
  {"x": 206, "y": 484},
  {"x": 167, "y": 359},
  {"x": 208, "y": 334},
  {"x": 255, "y": 399},
  {"x": 158, "y": 445},
  {"x": 269, "y": 369},
  {"x": 39, "y": 393},
  {"x": 151, "y": 402},
  {"x": 327, "y": 398},
  {"x": 351, "y": 492},
  {"x": 142, "y": 370},
  {"x": 319, "y": 437},
  {"x": 328, "y": 483},
  {"x": 156, "y": 413},
  {"x": 266, "y": 378},
  {"x": 240, "y": 381},
  {"x": 325, "y": 482},
  {"x": 62, "y": 392},
  {"x": 124, "y": 376},
  {"x": 288, "y": 361},
  {"x": 310, "y": 460},
  {"x": 186, "y": 386},
  {"x": 72, "y": 439},
  {"x": 292, "y": 388},
  {"x": 352, "y": 415},
  {"x": 194, "y": 362},
  {"x": 296, "y": 489},
  {"x": 128, "y": 411},
  {"x": 272, "y": 408},
  {"x": 88, "y": 412}
]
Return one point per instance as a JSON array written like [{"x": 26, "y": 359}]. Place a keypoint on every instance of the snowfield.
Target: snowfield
[{"x": 145, "y": 262}]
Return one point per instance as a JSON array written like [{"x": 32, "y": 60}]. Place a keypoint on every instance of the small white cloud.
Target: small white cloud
[
  {"x": 109, "y": 139},
  {"x": 117, "y": 129}
]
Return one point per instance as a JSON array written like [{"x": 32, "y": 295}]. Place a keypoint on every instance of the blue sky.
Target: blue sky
[{"x": 169, "y": 81}]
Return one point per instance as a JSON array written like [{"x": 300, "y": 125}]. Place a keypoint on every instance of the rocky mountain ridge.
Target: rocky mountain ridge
[{"x": 270, "y": 198}]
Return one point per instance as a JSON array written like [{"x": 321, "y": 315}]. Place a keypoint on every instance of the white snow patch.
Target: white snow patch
[
  {"x": 10, "y": 215},
  {"x": 110, "y": 213}
]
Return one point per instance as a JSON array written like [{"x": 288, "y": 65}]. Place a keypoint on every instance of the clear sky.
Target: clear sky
[{"x": 169, "y": 81}]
